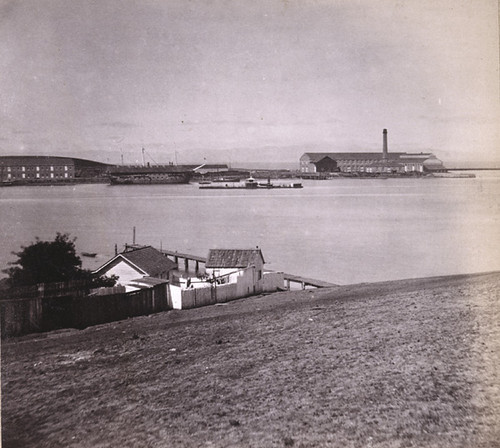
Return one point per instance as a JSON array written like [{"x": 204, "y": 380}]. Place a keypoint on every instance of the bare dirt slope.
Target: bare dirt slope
[{"x": 397, "y": 364}]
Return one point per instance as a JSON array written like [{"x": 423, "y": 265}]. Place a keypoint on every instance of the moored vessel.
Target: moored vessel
[
  {"x": 251, "y": 184},
  {"x": 146, "y": 175}
]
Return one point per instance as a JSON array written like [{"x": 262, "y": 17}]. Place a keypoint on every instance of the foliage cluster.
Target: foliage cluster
[{"x": 51, "y": 261}]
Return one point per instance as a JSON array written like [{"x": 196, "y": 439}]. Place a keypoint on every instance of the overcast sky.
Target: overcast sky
[{"x": 248, "y": 79}]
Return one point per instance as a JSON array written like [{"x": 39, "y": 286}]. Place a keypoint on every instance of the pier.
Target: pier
[
  {"x": 186, "y": 257},
  {"x": 304, "y": 282},
  {"x": 289, "y": 278}
]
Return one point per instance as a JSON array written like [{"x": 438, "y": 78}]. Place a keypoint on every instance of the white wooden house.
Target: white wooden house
[{"x": 133, "y": 266}]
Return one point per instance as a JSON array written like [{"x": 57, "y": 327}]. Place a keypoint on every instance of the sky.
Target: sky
[{"x": 232, "y": 81}]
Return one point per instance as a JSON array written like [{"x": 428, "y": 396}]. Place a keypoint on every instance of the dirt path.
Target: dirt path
[{"x": 396, "y": 364}]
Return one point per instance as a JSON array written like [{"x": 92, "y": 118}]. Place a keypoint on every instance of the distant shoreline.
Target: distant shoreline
[{"x": 77, "y": 181}]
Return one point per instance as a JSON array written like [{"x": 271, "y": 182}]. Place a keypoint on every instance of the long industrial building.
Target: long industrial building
[
  {"x": 370, "y": 163},
  {"x": 48, "y": 169}
]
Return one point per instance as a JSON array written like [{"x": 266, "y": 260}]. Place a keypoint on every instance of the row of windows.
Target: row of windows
[
  {"x": 31, "y": 168},
  {"x": 371, "y": 169},
  {"x": 359, "y": 166},
  {"x": 39, "y": 176}
]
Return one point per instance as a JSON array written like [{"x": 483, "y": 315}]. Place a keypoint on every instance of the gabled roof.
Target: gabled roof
[
  {"x": 233, "y": 258},
  {"x": 150, "y": 260},
  {"x": 146, "y": 259}
]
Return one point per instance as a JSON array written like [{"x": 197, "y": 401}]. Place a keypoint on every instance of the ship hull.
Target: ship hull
[{"x": 150, "y": 178}]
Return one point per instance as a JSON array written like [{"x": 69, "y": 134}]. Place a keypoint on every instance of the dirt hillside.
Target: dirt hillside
[{"x": 411, "y": 363}]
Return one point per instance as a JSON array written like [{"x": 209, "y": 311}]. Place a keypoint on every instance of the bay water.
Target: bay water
[{"x": 342, "y": 230}]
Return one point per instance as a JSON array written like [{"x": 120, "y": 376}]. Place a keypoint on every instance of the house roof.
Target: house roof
[
  {"x": 150, "y": 260},
  {"x": 233, "y": 258},
  {"x": 146, "y": 259}
]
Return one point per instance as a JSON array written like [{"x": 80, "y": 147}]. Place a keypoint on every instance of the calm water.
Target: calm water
[{"x": 343, "y": 231}]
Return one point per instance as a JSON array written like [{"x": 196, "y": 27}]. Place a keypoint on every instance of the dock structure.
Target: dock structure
[
  {"x": 304, "y": 282},
  {"x": 186, "y": 257},
  {"x": 289, "y": 278}
]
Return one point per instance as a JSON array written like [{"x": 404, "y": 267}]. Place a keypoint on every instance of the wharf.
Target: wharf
[
  {"x": 304, "y": 281},
  {"x": 176, "y": 255},
  {"x": 186, "y": 257}
]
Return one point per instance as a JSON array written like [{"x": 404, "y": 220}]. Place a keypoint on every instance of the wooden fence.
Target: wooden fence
[
  {"x": 57, "y": 289},
  {"x": 20, "y": 316}
]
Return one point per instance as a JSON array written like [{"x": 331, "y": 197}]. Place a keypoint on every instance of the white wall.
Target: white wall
[
  {"x": 124, "y": 271},
  {"x": 193, "y": 297},
  {"x": 175, "y": 297}
]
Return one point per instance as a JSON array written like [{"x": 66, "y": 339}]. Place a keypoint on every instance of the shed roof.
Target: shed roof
[{"x": 233, "y": 258}]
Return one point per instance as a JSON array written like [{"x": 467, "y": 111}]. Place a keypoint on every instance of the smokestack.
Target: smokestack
[{"x": 384, "y": 148}]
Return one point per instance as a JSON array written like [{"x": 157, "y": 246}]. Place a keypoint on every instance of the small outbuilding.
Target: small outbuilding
[
  {"x": 230, "y": 274},
  {"x": 243, "y": 265}
]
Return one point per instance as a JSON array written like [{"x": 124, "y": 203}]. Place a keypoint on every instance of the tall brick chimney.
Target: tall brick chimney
[{"x": 384, "y": 148}]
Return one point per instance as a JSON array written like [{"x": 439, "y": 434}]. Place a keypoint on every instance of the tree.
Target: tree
[
  {"x": 93, "y": 281},
  {"x": 50, "y": 261}
]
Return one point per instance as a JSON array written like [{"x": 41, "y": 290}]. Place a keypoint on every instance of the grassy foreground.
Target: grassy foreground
[{"x": 412, "y": 363}]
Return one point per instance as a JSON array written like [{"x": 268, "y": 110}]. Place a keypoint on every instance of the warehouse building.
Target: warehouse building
[
  {"x": 48, "y": 169},
  {"x": 35, "y": 168},
  {"x": 370, "y": 163}
]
